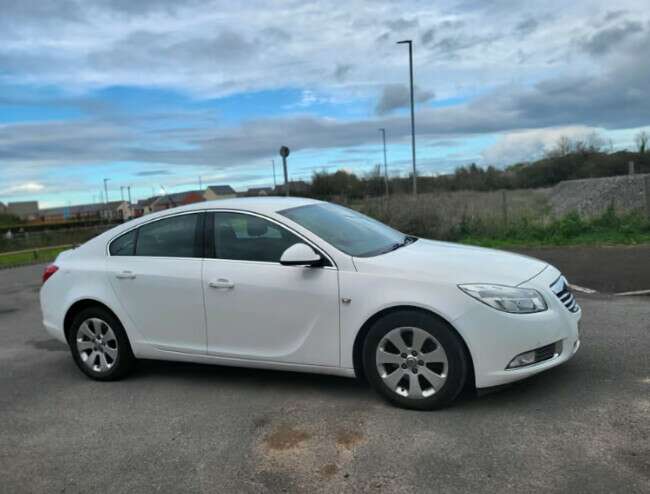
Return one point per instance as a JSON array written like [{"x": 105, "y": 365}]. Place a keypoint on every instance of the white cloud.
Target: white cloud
[
  {"x": 528, "y": 145},
  {"x": 24, "y": 188}
]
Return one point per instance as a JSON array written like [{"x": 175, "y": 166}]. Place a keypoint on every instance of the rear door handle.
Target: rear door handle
[
  {"x": 221, "y": 283},
  {"x": 125, "y": 275}
]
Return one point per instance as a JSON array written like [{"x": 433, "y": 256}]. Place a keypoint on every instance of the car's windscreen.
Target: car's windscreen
[{"x": 349, "y": 231}]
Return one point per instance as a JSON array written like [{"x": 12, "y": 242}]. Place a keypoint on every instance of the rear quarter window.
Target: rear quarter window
[{"x": 123, "y": 245}]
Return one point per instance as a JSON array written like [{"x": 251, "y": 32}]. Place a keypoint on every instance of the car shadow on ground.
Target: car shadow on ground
[{"x": 536, "y": 389}]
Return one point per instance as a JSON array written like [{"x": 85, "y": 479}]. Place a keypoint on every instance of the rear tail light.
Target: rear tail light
[{"x": 49, "y": 271}]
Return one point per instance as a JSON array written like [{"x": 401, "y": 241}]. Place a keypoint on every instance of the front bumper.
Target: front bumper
[{"x": 495, "y": 337}]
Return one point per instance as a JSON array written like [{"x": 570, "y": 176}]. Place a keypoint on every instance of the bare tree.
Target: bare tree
[
  {"x": 594, "y": 142},
  {"x": 562, "y": 147},
  {"x": 641, "y": 140}
]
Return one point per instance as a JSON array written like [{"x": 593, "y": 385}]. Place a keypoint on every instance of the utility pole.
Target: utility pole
[
  {"x": 275, "y": 185},
  {"x": 122, "y": 192},
  {"x": 129, "y": 190},
  {"x": 106, "y": 196},
  {"x": 415, "y": 181},
  {"x": 383, "y": 138},
  {"x": 284, "y": 152}
]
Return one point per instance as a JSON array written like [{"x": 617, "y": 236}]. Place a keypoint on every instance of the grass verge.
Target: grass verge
[
  {"x": 14, "y": 259},
  {"x": 609, "y": 228}
]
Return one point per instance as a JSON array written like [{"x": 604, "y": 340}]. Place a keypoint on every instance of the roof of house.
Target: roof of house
[
  {"x": 221, "y": 189},
  {"x": 147, "y": 202},
  {"x": 23, "y": 207},
  {"x": 80, "y": 209},
  {"x": 177, "y": 197},
  {"x": 295, "y": 185}
]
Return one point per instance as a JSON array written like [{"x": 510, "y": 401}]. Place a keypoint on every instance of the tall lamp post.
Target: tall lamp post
[
  {"x": 106, "y": 197},
  {"x": 275, "y": 184},
  {"x": 284, "y": 152},
  {"x": 415, "y": 181},
  {"x": 383, "y": 138}
]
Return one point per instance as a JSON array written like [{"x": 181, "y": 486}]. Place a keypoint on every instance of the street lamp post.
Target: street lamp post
[
  {"x": 275, "y": 184},
  {"x": 284, "y": 152},
  {"x": 415, "y": 182},
  {"x": 383, "y": 138},
  {"x": 106, "y": 197}
]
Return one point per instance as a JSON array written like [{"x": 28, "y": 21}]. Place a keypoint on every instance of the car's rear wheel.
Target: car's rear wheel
[
  {"x": 415, "y": 360},
  {"x": 99, "y": 345}
]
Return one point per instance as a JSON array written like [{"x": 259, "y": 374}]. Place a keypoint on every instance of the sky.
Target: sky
[{"x": 167, "y": 94}]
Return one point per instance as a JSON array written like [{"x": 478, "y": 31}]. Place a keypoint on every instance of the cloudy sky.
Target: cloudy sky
[{"x": 155, "y": 93}]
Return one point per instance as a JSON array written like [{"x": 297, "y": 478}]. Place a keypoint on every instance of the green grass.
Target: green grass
[
  {"x": 30, "y": 257},
  {"x": 608, "y": 229}
]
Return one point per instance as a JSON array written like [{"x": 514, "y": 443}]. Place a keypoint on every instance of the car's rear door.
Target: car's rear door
[
  {"x": 155, "y": 272},
  {"x": 258, "y": 309}
]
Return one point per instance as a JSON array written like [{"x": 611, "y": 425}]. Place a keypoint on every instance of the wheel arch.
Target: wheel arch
[
  {"x": 83, "y": 304},
  {"x": 357, "y": 348}
]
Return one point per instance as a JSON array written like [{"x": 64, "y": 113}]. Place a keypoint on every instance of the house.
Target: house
[
  {"x": 143, "y": 206},
  {"x": 114, "y": 210},
  {"x": 214, "y": 192},
  {"x": 25, "y": 210},
  {"x": 3, "y": 208},
  {"x": 177, "y": 199},
  {"x": 296, "y": 187},
  {"x": 259, "y": 191}
]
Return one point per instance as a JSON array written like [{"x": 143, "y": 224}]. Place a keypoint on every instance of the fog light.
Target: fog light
[{"x": 522, "y": 359}]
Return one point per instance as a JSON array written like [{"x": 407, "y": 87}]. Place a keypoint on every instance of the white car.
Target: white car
[{"x": 303, "y": 285}]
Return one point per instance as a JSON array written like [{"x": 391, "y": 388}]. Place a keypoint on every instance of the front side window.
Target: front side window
[
  {"x": 170, "y": 237},
  {"x": 350, "y": 232},
  {"x": 124, "y": 245},
  {"x": 245, "y": 237}
]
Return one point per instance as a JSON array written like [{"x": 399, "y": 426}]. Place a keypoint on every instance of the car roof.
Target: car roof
[{"x": 263, "y": 205}]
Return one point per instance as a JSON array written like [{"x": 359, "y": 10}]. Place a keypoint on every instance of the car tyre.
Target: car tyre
[
  {"x": 99, "y": 345},
  {"x": 415, "y": 360}
]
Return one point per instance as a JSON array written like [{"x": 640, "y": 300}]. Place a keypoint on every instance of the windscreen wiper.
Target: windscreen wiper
[{"x": 408, "y": 239}]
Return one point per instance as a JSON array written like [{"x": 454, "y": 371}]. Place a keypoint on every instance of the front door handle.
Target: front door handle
[
  {"x": 125, "y": 275},
  {"x": 221, "y": 283}
]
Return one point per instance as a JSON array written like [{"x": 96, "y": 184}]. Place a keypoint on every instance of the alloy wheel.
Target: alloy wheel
[
  {"x": 97, "y": 345},
  {"x": 411, "y": 362}
]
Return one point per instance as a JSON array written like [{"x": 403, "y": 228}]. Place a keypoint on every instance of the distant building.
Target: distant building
[
  {"x": 259, "y": 191},
  {"x": 214, "y": 192},
  {"x": 143, "y": 206},
  {"x": 3, "y": 208},
  {"x": 25, "y": 210},
  {"x": 114, "y": 210},
  {"x": 296, "y": 187},
  {"x": 177, "y": 199}
]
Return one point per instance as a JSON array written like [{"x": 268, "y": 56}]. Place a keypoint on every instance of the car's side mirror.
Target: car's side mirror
[{"x": 301, "y": 255}]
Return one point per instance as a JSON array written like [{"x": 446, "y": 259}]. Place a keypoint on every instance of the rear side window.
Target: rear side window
[
  {"x": 124, "y": 245},
  {"x": 171, "y": 237}
]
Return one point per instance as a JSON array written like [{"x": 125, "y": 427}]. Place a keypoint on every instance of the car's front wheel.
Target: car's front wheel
[
  {"x": 415, "y": 360},
  {"x": 99, "y": 345}
]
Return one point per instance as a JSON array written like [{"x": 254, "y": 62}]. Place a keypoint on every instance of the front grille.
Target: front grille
[
  {"x": 561, "y": 289},
  {"x": 545, "y": 352}
]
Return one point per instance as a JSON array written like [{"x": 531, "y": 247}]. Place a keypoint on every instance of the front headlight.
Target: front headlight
[{"x": 507, "y": 298}]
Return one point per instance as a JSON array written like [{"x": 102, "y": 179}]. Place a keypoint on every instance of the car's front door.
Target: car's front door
[
  {"x": 155, "y": 272},
  {"x": 258, "y": 309}
]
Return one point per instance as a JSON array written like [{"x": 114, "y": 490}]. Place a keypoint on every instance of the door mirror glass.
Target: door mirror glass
[{"x": 301, "y": 255}]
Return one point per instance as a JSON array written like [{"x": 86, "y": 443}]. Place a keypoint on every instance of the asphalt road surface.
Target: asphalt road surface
[
  {"x": 582, "y": 427},
  {"x": 609, "y": 269}
]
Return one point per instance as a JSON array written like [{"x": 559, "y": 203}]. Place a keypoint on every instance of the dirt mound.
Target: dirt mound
[{"x": 591, "y": 196}]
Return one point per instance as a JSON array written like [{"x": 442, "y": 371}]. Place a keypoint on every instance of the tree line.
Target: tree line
[{"x": 569, "y": 159}]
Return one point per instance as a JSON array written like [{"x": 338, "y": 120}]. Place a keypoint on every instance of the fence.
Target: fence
[{"x": 12, "y": 240}]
